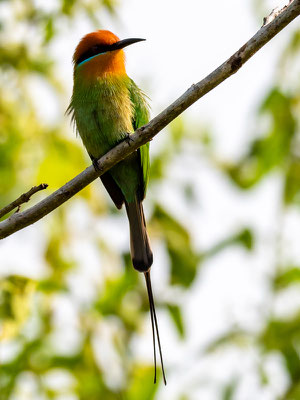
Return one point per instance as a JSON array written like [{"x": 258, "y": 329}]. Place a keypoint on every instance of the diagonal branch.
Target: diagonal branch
[{"x": 146, "y": 133}]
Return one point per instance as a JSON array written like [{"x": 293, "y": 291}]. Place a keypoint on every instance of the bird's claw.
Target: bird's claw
[
  {"x": 128, "y": 139},
  {"x": 95, "y": 163}
]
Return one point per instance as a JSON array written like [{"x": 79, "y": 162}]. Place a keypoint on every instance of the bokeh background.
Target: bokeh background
[{"x": 222, "y": 210}]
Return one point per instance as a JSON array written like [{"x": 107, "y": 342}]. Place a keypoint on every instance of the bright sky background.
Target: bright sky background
[{"x": 186, "y": 41}]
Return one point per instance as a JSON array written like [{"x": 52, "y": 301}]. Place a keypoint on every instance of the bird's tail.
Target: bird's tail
[
  {"x": 141, "y": 253},
  {"x": 154, "y": 327},
  {"x": 142, "y": 259}
]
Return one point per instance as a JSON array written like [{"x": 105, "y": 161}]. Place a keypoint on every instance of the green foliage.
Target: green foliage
[
  {"x": 235, "y": 337},
  {"x": 229, "y": 390},
  {"x": 284, "y": 336},
  {"x": 142, "y": 385},
  {"x": 183, "y": 258},
  {"x": 243, "y": 238},
  {"x": 273, "y": 148},
  {"x": 116, "y": 297},
  {"x": 15, "y": 304},
  {"x": 176, "y": 315},
  {"x": 284, "y": 279}
]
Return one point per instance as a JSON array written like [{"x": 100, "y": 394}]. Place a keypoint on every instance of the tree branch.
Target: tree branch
[
  {"x": 146, "y": 133},
  {"x": 24, "y": 198}
]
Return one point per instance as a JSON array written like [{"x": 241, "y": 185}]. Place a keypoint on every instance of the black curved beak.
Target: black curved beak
[
  {"x": 101, "y": 49},
  {"x": 124, "y": 43}
]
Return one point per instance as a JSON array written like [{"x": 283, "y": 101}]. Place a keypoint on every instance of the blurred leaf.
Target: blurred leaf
[
  {"x": 177, "y": 131},
  {"x": 287, "y": 278},
  {"x": 113, "y": 294},
  {"x": 293, "y": 392},
  {"x": 292, "y": 360},
  {"x": 273, "y": 148},
  {"x": 67, "y": 6},
  {"x": 116, "y": 291},
  {"x": 229, "y": 390},
  {"x": 62, "y": 161},
  {"x": 170, "y": 147},
  {"x": 184, "y": 260},
  {"x": 51, "y": 286},
  {"x": 279, "y": 334},
  {"x": 234, "y": 337},
  {"x": 189, "y": 193},
  {"x": 291, "y": 52},
  {"x": 49, "y": 30},
  {"x": 19, "y": 58},
  {"x": 141, "y": 385},
  {"x": 158, "y": 165},
  {"x": 284, "y": 336},
  {"x": 292, "y": 182},
  {"x": 264, "y": 378},
  {"x": 294, "y": 43},
  {"x": 176, "y": 315},
  {"x": 15, "y": 303},
  {"x": 243, "y": 238}
]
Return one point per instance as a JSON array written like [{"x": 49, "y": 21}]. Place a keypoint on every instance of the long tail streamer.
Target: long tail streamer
[{"x": 154, "y": 327}]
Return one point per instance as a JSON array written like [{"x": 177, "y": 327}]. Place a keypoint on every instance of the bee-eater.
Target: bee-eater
[{"x": 107, "y": 106}]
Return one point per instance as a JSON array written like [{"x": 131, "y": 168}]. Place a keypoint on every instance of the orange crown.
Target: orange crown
[{"x": 100, "y": 37}]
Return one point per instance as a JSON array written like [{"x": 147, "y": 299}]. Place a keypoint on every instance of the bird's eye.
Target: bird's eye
[
  {"x": 95, "y": 48},
  {"x": 93, "y": 51}
]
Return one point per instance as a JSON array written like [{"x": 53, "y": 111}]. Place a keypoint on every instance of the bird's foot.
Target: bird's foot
[
  {"x": 128, "y": 138},
  {"x": 95, "y": 163}
]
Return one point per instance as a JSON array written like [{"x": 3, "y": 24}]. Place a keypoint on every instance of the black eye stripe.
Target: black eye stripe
[{"x": 94, "y": 50}]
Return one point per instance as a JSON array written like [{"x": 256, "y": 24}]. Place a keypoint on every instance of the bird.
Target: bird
[{"x": 106, "y": 107}]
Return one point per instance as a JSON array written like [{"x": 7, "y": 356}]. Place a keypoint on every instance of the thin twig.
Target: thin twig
[
  {"x": 146, "y": 133},
  {"x": 24, "y": 198}
]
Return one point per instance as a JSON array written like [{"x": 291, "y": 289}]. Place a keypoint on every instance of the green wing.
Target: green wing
[{"x": 141, "y": 117}]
